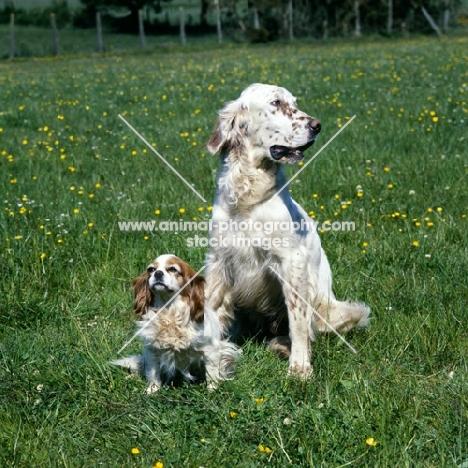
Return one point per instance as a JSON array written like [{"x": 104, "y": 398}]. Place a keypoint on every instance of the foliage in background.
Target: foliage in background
[
  {"x": 311, "y": 18},
  {"x": 37, "y": 16}
]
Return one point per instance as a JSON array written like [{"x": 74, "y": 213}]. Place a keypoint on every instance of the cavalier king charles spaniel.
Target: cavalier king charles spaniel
[{"x": 182, "y": 338}]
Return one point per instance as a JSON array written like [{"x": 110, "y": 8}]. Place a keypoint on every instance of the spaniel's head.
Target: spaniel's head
[
  {"x": 265, "y": 120},
  {"x": 165, "y": 277}
]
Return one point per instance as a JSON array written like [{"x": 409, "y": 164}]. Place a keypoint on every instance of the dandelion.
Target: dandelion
[
  {"x": 157, "y": 212},
  {"x": 390, "y": 186},
  {"x": 365, "y": 244},
  {"x": 439, "y": 209},
  {"x": 181, "y": 210},
  {"x": 42, "y": 256},
  {"x": 371, "y": 441},
  {"x": 415, "y": 244},
  {"x": 135, "y": 451},
  {"x": 25, "y": 142},
  {"x": 76, "y": 211},
  {"x": 264, "y": 448},
  {"x": 259, "y": 401},
  {"x": 233, "y": 414},
  {"x": 158, "y": 464},
  {"x": 98, "y": 185},
  {"x": 13, "y": 181}
]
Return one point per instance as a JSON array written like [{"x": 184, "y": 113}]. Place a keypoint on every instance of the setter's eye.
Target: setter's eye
[
  {"x": 172, "y": 269},
  {"x": 276, "y": 103},
  {"x": 151, "y": 270}
]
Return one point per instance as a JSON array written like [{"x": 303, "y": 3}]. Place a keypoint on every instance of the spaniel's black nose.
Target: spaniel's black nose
[{"x": 158, "y": 274}]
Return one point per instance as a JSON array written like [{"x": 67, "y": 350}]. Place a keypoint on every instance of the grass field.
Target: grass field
[{"x": 71, "y": 169}]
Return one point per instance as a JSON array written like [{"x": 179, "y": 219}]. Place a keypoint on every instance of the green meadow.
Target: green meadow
[{"x": 71, "y": 170}]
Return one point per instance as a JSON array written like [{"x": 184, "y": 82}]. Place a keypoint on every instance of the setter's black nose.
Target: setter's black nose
[{"x": 315, "y": 125}]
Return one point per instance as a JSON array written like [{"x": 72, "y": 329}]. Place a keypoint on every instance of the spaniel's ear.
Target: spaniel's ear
[
  {"x": 231, "y": 127},
  {"x": 142, "y": 294},
  {"x": 197, "y": 299}
]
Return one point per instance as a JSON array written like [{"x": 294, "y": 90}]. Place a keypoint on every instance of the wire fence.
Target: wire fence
[{"x": 18, "y": 40}]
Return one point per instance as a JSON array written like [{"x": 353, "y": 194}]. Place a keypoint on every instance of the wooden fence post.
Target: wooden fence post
[
  {"x": 390, "y": 17},
  {"x": 100, "y": 44},
  {"x": 12, "y": 36},
  {"x": 141, "y": 29},
  {"x": 290, "y": 16},
  {"x": 357, "y": 19},
  {"x": 256, "y": 20},
  {"x": 183, "y": 37},
  {"x": 218, "y": 22},
  {"x": 53, "y": 23}
]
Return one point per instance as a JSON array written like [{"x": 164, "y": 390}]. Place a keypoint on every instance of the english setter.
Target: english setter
[
  {"x": 179, "y": 333},
  {"x": 274, "y": 280}
]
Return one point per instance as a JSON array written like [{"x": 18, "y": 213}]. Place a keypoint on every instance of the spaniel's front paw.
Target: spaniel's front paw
[{"x": 153, "y": 388}]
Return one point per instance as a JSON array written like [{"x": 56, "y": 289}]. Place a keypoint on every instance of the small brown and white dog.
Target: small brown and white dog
[
  {"x": 274, "y": 277},
  {"x": 179, "y": 333}
]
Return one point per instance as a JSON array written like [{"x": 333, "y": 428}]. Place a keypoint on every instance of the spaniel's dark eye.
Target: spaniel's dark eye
[
  {"x": 276, "y": 103},
  {"x": 151, "y": 270},
  {"x": 172, "y": 270}
]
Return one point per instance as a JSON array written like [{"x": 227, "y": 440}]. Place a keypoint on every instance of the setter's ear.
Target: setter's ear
[
  {"x": 231, "y": 127},
  {"x": 142, "y": 294},
  {"x": 197, "y": 299}
]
